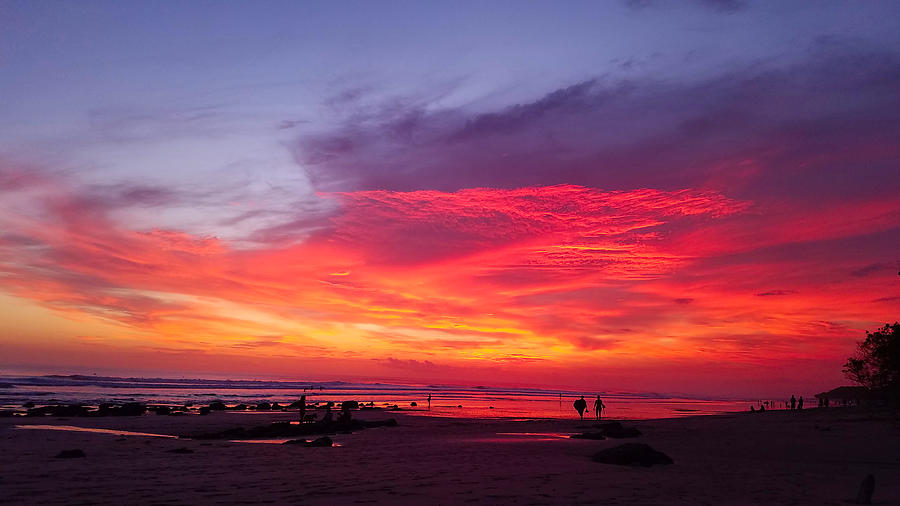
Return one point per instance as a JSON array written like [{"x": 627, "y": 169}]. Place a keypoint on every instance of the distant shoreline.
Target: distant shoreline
[{"x": 447, "y": 400}]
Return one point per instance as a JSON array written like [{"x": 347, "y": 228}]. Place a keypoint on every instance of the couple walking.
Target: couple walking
[{"x": 581, "y": 405}]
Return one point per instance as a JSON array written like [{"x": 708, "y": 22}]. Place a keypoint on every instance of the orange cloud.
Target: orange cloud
[{"x": 527, "y": 280}]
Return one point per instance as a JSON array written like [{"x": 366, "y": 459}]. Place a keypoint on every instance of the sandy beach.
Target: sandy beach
[{"x": 810, "y": 457}]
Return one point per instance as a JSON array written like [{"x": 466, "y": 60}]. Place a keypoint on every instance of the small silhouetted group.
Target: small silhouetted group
[
  {"x": 796, "y": 404},
  {"x": 581, "y": 407},
  {"x": 762, "y": 409}
]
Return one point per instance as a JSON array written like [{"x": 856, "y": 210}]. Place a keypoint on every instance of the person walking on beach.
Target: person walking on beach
[
  {"x": 302, "y": 408},
  {"x": 598, "y": 407},
  {"x": 793, "y": 403},
  {"x": 580, "y": 406},
  {"x": 429, "y": 402},
  {"x": 800, "y": 403}
]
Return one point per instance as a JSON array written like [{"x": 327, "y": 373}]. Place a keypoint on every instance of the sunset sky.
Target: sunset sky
[{"x": 698, "y": 196}]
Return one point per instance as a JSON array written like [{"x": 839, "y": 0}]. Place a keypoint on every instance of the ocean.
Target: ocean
[{"x": 447, "y": 400}]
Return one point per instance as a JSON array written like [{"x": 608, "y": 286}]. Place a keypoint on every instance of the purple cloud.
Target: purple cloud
[
  {"x": 869, "y": 270},
  {"x": 810, "y": 131}
]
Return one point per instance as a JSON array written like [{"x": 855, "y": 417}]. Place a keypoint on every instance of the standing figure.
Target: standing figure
[
  {"x": 599, "y": 407},
  {"x": 429, "y": 402},
  {"x": 580, "y": 406},
  {"x": 793, "y": 403},
  {"x": 800, "y": 403},
  {"x": 302, "y": 408}
]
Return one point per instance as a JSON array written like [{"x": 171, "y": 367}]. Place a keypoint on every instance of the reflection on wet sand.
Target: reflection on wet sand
[
  {"x": 522, "y": 437},
  {"x": 72, "y": 428},
  {"x": 269, "y": 441}
]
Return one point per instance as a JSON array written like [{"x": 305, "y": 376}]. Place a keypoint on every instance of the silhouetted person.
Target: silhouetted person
[
  {"x": 793, "y": 403},
  {"x": 598, "y": 407},
  {"x": 800, "y": 403},
  {"x": 866, "y": 489},
  {"x": 752, "y": 409},
  {"x": 302, "y": 407},
  {"x": 580, "y": 406},
  {"x": 429, "y": 402},
  {"x": 762, "y": 409}
]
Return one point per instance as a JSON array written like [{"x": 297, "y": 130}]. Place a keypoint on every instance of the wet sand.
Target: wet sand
[{"x": 813, "y": 457}]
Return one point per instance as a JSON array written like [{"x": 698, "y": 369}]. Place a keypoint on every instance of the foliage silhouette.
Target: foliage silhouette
[{"x": 877, "y": 363}]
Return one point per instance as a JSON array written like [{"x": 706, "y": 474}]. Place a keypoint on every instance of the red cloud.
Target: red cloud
[{"x": 532, "y": 276}]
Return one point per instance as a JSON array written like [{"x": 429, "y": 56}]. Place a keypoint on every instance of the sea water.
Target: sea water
[{"x": 446, "y": 400}]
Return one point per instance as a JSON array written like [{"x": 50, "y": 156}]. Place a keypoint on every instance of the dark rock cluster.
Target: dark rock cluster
[{"x": 287, "y": 429}]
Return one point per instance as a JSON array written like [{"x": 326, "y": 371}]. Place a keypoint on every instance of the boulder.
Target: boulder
[
  {"x": 70, "y": 454},
  {"x": 349, "y": 405},
  {"x": 324, "y": 441},
  {"x": 163, "y": 410},
  {"x": 413, "y": 403},
  {"x": 276, "y": 406},
  {"x": 632, "y": 454},
  {"x": 217, "y": 406},
  {"x": 263, "y": 406},
  {"x": 28, "y": 404},
  {"x": 204, "y": 410}
]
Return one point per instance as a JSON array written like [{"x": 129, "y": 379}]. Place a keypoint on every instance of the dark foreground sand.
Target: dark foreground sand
[{"x": 771, "y": 458}]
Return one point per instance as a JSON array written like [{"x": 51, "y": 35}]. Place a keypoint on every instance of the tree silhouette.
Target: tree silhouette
[{"x": 877, "y": 362}]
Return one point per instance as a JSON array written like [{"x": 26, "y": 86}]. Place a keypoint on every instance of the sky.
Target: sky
[{"x": 695, "y": 197}]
